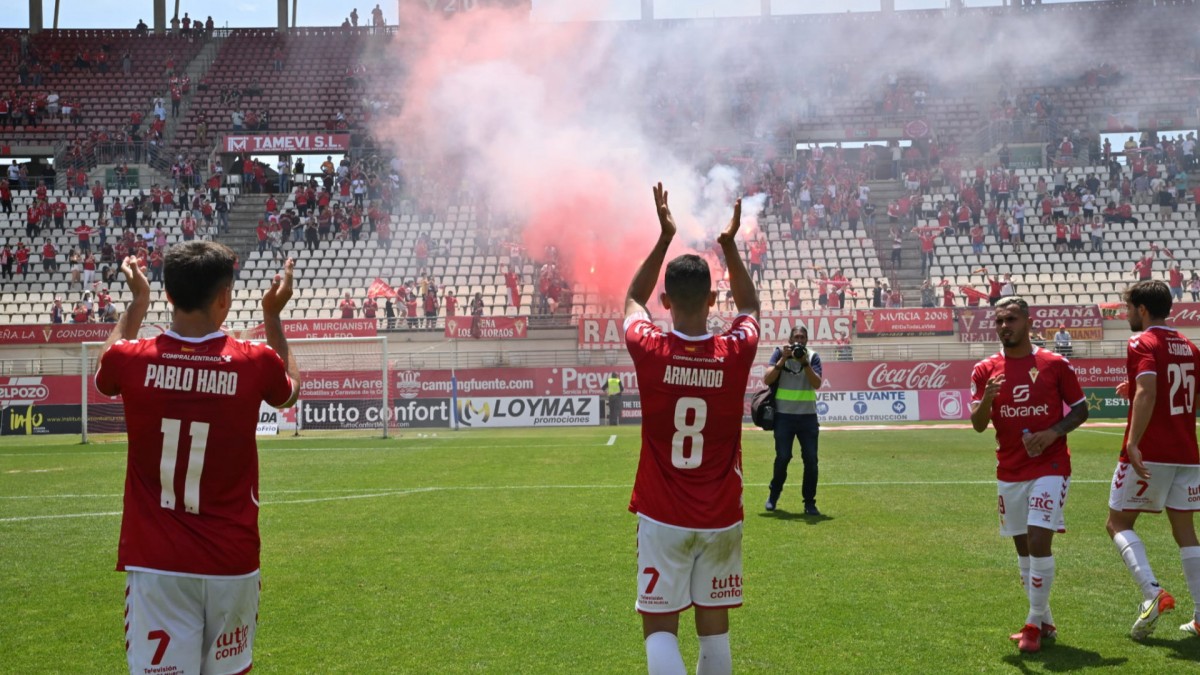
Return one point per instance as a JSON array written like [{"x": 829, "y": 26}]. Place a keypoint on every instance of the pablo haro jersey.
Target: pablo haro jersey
[
  {"x": 191, "y": 479},
  {"x": 1035, "y": 389},
  {"x": 1170, "y": 438},
  {"x": 692, "y": 395}
]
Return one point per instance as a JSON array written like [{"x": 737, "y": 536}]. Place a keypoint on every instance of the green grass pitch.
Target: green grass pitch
[{"x": 513, "y": 552}]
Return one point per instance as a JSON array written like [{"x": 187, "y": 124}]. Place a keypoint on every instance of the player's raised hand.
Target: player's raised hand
[
  {"x": 665, "y": 220},
  {"x": 135, "y": 277},
  {"x": 993, "y": 387},
  {"x": 1134, "y": 453},
  {"x": 277, "y": 296},
  {"x": 728, "y": 236}
]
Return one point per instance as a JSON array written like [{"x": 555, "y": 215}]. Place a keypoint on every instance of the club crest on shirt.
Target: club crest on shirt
[{"x": 1033, "y": 374}]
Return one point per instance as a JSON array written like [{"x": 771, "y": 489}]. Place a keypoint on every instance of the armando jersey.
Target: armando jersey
[
  {"x": 1170, "y": 438},
  {"x": 1035, "y": 389},
  {"x": 692, "y": 395},
  {"x": 191, "y": 479}
]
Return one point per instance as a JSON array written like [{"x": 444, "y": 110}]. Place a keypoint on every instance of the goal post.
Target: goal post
[{"x": 344, "y": 391}]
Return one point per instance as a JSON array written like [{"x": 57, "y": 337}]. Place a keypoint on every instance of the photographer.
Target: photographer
[{"x": 796, "y": 373}]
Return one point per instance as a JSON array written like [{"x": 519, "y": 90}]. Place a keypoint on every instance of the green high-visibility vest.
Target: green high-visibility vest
[{"x": 614, "y": 386}]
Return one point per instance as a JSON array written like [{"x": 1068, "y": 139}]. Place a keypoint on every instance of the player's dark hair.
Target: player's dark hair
[
  {"x": 1013, "y": 301},
  {"x": 195, "y": 271},
  {"x": 1152, "y": 294},
  {"x": 688, "y": 282}
]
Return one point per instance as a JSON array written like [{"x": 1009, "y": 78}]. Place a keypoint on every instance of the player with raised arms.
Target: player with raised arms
[
  {"x": 1160, "y": 446},
  {"x": 688, "y": 490},
  {"x": 1021, "y": 391},
  {"x": 189, "y": 531}
]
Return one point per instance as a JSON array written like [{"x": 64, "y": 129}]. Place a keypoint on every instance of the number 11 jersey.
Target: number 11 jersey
[
  {"x": 1170, "y": 438},
  {"x": 693, "y": 392},
  {"x": 191, "y": 479}
]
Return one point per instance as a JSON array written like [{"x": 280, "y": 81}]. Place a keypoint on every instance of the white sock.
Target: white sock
[
  {"x": 1133, "y": 552},
  {"x": 1041, "y": 578},
  {"x": 662, "y": 655},
  {"x": 715, "y": 658},
  {"x": 1191, "y": 571},
  {"x": 1023, "y": 565}
]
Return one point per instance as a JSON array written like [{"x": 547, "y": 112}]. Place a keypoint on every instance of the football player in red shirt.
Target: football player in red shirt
[
  {"x": 1160, "y": 446},
  {"x": 189, "y": 531},
  {"x": 1021, "y": 391},
  {"x": 688, "y": 490}
]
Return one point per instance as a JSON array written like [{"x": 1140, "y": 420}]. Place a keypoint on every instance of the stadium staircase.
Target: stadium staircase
[
  {"x": 243, "y": 222},
  {"x": 196, "y": 69},
  {"x": 908, "y": 278}
]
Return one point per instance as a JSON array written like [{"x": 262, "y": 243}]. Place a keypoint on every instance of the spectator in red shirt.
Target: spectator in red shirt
[
  {"x": 59, "y": 210},
  {"x": 6, "y": 193},
  {"x": 450, "y": 302},
  {"x": 49, "y": 257},
  {"x": 793, "y": 296},
  {"x": 1176, "y": 282},
  {"x": 947, "y": 294},
  {"x": 431, "y": 308},
  {"x": 928, "y": 237},
  {"x": 22, "y": 256},
  {"x": 347, "y": 306},
  {"x": 369, "y": 308},
  {"x": 411, "y": 306},
  {"x": 261, "y": 231}
]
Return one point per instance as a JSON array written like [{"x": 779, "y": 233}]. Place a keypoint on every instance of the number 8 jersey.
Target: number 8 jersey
[
  {"x": 191, "y": 479},
  {"x": 693, "y": 392},
  {"x": 1170, "y": 438}
]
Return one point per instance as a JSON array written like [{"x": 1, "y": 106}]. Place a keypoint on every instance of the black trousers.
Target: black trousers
[{"x": 789, "y": 428}]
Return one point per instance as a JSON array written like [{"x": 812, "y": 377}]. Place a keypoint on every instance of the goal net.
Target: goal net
[{"x": 344, "y": 392}]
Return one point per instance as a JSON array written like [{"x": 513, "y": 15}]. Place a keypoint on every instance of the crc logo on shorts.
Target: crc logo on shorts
[
  {"x": 823, "y": 408},
  {"x": 1042, "y": 502},
  {"x": 898, "y": 407},
  {"x": 950, "y": 405},
  {"x": 860, "y": 408},
  {"x": 1021, "y": 393}
]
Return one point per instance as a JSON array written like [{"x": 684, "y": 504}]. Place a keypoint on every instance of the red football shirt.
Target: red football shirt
[
  {"x": 191, "y": 407},
  {"x": 1032, "y": 397},
  {"x": 692, "y": 393},
  {"x": 1170, "y": 438}
]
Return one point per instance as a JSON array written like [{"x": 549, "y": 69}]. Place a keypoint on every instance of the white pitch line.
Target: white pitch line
[
  {"x": 611, "y": 439},
  {"x": 21, "y": 519},
  {"x": 1106, "y": 433},
  {"x": 408, "y": 491}
]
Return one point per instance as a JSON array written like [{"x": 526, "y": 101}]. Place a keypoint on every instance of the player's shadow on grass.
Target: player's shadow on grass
[
  {"x": 1187, "y": 649},
  {"x": 1056, "y": 658},
  {"x": 780, "y": 514}
]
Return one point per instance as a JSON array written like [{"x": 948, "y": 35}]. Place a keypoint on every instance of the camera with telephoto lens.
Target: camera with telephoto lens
[{"x": 799, "y": 351}]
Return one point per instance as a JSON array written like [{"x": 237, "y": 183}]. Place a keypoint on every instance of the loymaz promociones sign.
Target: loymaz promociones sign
[{"x": 528, "y": 411}]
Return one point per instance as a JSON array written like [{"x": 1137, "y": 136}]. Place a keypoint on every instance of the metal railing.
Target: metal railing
[{"x": 443, "y": 356}]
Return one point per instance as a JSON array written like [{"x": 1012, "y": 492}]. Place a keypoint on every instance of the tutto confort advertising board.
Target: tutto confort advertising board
[{"x": 853, "y": 391}]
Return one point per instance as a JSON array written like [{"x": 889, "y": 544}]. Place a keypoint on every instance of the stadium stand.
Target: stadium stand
[{"x": 1117, "y": 85}]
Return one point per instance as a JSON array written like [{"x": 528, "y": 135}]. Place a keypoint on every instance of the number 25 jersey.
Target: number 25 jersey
[
  {"x": 1170, "y": 438},
  {"x": 693, "y": 392},
  {"x": 191, "y": 479}
]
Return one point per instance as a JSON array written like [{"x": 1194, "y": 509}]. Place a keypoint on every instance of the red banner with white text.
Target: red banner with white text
[
  {"x": 487, "y": 327},
  {"x": 61, "y": 333},
  {"x": 1084, "y": 322},
  {"x": 606, "y": 332},
  {"x": 910, "y": 322},
  {"x": 319, "y": 328},
  {"x": 272, "y": 143}
]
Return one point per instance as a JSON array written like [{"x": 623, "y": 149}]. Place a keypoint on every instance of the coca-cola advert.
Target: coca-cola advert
[
  {"x": 910, "y": 322},
  {"x": 487, "y": 327},
  {"x": 607, "y": 332},
  {"x": 1084, "y": 322}
]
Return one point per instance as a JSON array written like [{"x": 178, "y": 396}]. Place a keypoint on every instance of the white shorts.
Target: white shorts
[
  {"x": 1172, "y": 485},
  {"x": 678, "y": 568},
  {"x": 1032, "y": 503},
  {"x": 182, "y": 625}
]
